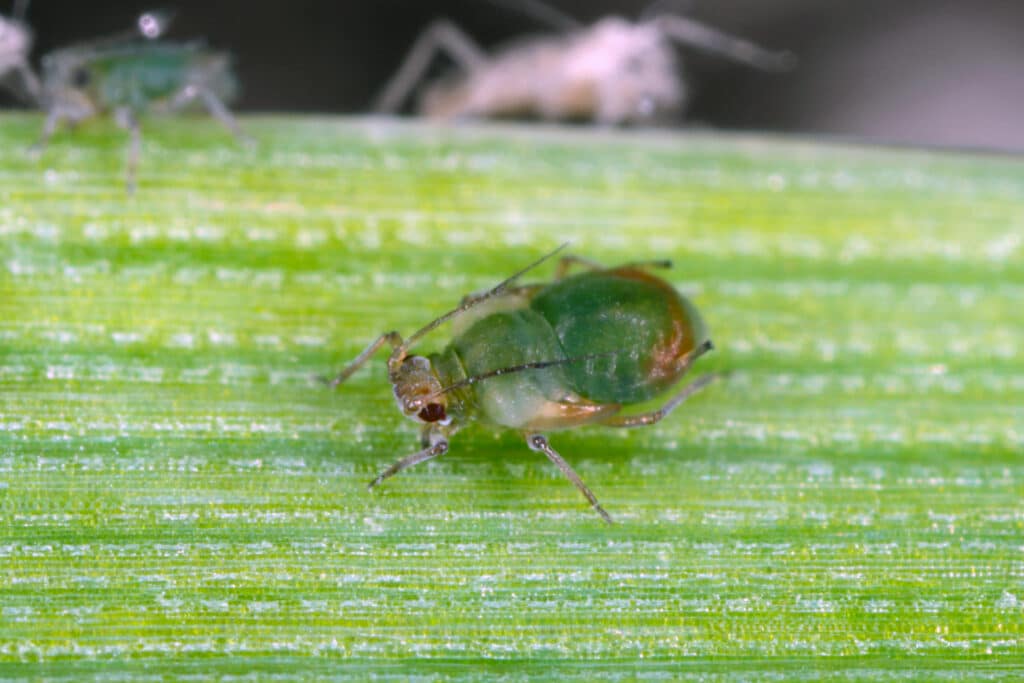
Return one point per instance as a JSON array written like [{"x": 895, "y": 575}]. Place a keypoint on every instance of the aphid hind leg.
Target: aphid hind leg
[
  {"x": 440, "y": 36},
  {"x": 392, "y": 338},
  {"x": 219, "y": 111},
  {"x": 431, "y": 451},
  {"x": 214, "y": 106},
  {"x": 569, "y": 260},
  {"x": 644, "y": 419},
  {"x": 537, "y": 442}
]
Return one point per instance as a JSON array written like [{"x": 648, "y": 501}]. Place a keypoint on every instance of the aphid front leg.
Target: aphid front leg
[
  {"x": 440, "y": 36},
  {"x": 650, "y": 418},
  {"x": 431, "y": 451},
  {"x": 537, "y": 442},
  {"x": 392, "y": 338}
]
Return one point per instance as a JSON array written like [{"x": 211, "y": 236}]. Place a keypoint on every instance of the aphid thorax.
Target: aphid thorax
[
  {"x": 534, "y": 358},
  {"x": 615, "y": 71}
]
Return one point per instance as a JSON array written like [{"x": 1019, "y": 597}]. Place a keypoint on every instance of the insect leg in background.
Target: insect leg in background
[
  {"x": 214, "y": 105},
  {"x": 441, "y": 37}
]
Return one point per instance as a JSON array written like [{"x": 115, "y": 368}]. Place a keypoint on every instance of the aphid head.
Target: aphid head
[
  {"x": 68, "y": 80},
  {"x": 418, "y": 391}
]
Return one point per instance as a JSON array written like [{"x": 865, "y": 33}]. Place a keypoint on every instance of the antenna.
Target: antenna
[
  {"x": 20, "y": 10},
  {"x": 536, "y": 365},
  {"x": 398, "y": 355},
  {"x": 691, "y": 33},
  {"x": 542, "y": 12}
]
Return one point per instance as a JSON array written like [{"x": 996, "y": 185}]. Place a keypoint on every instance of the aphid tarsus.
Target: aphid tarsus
[
  {"x": 615, "y": 71},
  {"x": 131, "y": 75},
  {"x": 545, "y": 357}
]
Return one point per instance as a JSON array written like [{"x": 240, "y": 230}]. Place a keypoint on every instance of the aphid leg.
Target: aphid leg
[
  {"x": 127, "y": 120},
  {"x": 697, "y": 35},
  {"x": 220, "y": 112},
  {"x": 432, "y": 451},
  {"x": 650, "y": 418},
  {"x": 53, "y": 119},
  {"x": 567, "y": 262},
  {"x": 440, "y": 36},
  {"x": 392, "y": 338},
  {"x": 30, "y": 88},
  {"x": 537, "y": 442},
  {"x": 213, "y": 104}
]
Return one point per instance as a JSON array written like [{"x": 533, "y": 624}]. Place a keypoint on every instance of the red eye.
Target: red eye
[{"x": 433, "y": 412}]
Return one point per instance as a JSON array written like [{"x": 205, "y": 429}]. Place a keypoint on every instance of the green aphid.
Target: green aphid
[
  {"x": 132, "y": 75},
  {"x": 535, "y": 358}
]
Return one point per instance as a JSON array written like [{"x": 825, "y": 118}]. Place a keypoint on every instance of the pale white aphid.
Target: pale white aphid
[
  {"x": 615, "y": 71},
  {"x": 15, "y": 45}
]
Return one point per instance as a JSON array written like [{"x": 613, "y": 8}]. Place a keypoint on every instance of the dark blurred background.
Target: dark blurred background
[{"x": 924, "y": 72}]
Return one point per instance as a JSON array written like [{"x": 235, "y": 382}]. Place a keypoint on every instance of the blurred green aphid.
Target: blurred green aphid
[
  {"x": 536, "y": 358},
  {"x": 15, "y": 45},
  {"x": 131, "y": 75}
]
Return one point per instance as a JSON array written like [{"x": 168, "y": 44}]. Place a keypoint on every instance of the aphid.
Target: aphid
[
  {"x": 613, "y": 72},
  {"x": 15, "y": 45},
  {"x": 131, "y": 75},
  {"x": 543, "y": 357}
]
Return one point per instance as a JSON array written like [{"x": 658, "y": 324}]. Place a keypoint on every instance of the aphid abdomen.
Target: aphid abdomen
[
  {"x": 633, "y": 330},
  {"x": 137, "y": 76},
  {"x": 520, "y": 400},
  {"x": 507, "y": 87}
]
